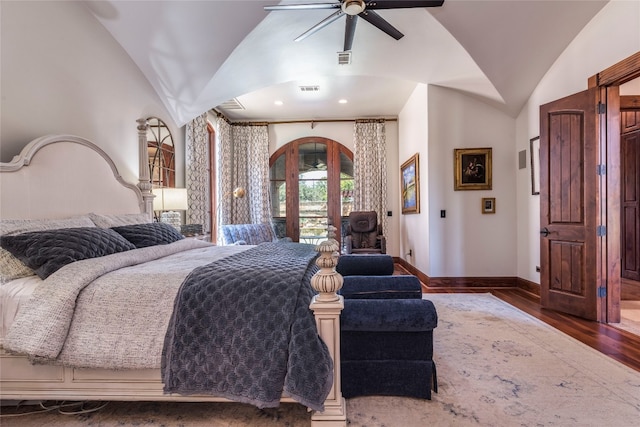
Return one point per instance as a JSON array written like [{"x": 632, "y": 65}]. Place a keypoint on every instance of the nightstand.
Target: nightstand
[{"x": 204, "y": 237}]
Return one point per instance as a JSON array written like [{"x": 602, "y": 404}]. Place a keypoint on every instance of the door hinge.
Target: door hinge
[
  {"x": 601, "y": 230},
  {"x": 602, "y": 108},
  {"x": 602, "y": 292},
  {"x": 601, "y": 169}
]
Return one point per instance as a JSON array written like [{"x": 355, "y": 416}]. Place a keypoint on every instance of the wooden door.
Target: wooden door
[
  {"x": 571, "y": 273},
  {"x": 630, "y": 191}
]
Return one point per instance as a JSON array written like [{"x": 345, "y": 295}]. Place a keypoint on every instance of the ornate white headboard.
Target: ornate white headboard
[{"x": 58, "y": 176}]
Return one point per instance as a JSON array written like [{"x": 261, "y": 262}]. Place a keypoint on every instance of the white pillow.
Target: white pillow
[
  {"x": 11, "y": 267},
  {"x": 108, "y": 221}
]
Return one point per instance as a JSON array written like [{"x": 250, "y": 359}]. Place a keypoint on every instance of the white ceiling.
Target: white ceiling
[{"x": 199, "y": 54}]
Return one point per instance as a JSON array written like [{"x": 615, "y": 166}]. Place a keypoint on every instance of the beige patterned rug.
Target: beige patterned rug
[{"x": 497, "y": 366}]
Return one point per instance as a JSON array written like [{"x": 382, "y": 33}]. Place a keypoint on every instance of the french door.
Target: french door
[{"x": 311, "y": 182}]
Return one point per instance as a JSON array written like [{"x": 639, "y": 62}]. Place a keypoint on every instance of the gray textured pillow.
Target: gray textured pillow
[
  {"x": 47, "y": 251},
  {"x": 108, "y": 221}
]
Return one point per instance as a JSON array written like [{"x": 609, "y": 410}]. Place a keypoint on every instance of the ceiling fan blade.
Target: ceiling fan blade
[
  {"x": 335, "y": 5},
  {"x": 374, "y": 19},
  {"x": 400, "y": 4},
  {"x": 320, "y": 25},
  {"x": 349, "y": 31}
]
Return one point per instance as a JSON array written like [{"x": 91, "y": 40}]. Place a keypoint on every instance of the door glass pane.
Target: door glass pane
[
  {"x": 346, "y": 185},
  {"x": 312, "y": 179},
  {"x": 277, "y": 170},
  {"x": 278, "y": 188}
]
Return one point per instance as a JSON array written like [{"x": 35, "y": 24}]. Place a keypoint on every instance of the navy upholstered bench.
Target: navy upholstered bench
[
  {"x": 386, "y": 338},
  {"x": 365, "y": 265}
]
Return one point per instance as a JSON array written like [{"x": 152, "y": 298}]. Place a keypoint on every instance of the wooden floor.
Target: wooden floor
[{"x": 616, "y": 343}]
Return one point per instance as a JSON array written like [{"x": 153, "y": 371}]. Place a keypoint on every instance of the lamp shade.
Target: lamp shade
[
  {"x": 170, "y": 199},
  {"x": 158, "y": 201},
  {"x": 175, "y": 199}
]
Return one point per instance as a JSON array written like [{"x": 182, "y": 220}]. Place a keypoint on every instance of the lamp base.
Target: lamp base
[{"x": 172, "y": 218}]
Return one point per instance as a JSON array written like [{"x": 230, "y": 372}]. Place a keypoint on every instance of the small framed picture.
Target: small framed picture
[{"x": 488, "y": 205}]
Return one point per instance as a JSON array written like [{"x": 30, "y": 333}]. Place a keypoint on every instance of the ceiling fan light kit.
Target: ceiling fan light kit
[{"x": 354, "y": 9}]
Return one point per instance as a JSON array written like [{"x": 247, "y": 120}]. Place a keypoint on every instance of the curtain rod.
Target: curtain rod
[{"x": 285, "y": 122}]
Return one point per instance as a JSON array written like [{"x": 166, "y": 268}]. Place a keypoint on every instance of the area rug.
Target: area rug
[
  {"x": 496, "y": 365},
  {"x": 630, "y": 317}
]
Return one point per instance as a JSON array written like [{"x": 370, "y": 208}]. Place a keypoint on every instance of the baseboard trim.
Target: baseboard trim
[
  {"x": 472, "y": 282},
  {"x": 469, "y": 282},
  {"x": 528, "y": 286}
]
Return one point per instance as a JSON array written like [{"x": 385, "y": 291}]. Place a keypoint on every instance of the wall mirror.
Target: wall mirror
[{"x": 161, "y": 150}]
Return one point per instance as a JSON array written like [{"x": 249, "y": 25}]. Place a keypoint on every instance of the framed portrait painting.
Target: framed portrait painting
[
  {"x": 472, "y": 169},
  {"x": 410, "y": 181}
]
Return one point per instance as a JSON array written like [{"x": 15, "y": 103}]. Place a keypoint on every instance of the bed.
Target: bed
[{"x": 68, "y": 189}]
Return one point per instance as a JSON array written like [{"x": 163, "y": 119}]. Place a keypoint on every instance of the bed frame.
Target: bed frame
[{"x": 58, "y": 176}]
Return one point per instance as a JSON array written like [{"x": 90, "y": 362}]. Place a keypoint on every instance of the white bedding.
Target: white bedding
[
  {"x": 100, "y": 295},
  {"x": 12, "y": 296}
]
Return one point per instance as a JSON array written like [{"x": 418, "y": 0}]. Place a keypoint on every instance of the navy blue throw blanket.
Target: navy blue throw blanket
[{"x": 242, "y": 329}]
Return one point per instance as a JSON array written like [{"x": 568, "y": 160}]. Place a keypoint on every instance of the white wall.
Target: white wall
[
  {"x": 612, "y": 35},
  {"x": 466, "y": 243},
  {"x": 62, "y": 72},
  {"x": 413, "y": 127},
  {"x": 281, "y": 134}
]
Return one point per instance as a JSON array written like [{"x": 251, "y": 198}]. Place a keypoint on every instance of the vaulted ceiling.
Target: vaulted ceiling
[{"x": 200, "y": 54}]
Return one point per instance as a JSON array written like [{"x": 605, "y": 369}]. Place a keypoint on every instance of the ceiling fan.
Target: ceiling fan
[{"x": 354, "y": 9}]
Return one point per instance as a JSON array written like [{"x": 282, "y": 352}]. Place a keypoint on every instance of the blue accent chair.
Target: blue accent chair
[{"x": 247, "y": 234}]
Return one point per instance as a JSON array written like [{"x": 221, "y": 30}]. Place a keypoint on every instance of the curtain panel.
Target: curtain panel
[
  {"x": 251, "y": 171},
  {"x": 369, "y": 169},
  {"x": 198, "y": 179},
  {"x": 224, "y": 178},
  {"x": 243, "y": 161}
]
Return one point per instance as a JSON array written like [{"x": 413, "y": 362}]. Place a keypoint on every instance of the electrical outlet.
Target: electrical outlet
[{"x": 443, "y": 213}]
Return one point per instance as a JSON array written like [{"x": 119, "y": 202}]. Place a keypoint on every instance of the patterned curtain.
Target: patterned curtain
[
  {"x": 197, "y": 174},
  {"x": 369, "y": 169},
  {"x": 251, "y": 169},
  {"x": 243, "y": 161},
  {"x": 224, "y": 178}
]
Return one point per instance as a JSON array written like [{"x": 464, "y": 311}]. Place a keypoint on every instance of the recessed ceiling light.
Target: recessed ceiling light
[
  {"x": 342, "y": 101},
  {"x": 278, "y": 102}
]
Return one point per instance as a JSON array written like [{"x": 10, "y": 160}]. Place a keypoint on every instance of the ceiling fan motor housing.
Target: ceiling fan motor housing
[{"x": 353, "y": 7}]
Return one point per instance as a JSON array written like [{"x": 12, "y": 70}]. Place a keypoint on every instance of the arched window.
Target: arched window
[
  {"x": 311, "y": 182},
  {"x": 162, "y": 162}
]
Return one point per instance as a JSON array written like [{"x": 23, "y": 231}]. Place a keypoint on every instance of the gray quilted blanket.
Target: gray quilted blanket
[{"x": 242, "y": 329}]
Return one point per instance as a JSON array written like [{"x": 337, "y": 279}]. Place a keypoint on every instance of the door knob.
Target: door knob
[{"x": 545, "y": 232}]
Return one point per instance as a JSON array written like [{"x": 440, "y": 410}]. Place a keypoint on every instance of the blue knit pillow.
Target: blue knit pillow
[
  {"x": 149, "y": 234},
  {"x": 47, "y": 251}
]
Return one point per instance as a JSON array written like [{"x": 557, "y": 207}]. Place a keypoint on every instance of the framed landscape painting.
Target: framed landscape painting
[
  {"x": 472, "y": 169},
  {"x": 410, "y": 181}
]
